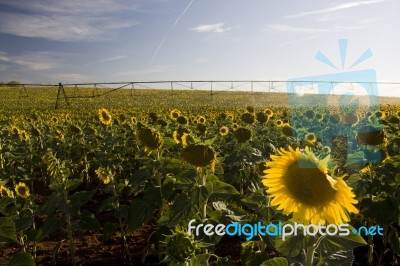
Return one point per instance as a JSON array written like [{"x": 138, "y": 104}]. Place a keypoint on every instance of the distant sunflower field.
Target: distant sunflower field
[{"x": 132, "y": 169}]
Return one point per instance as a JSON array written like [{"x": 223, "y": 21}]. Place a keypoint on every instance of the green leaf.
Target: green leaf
[
  {"x": 78, "y": 199},
  {"x": 344, "y": 258},
  {"x": 4, "y": 203},
  {"x": 199, "y": 260},
  {"x": 21, "y": 259},
  {"x": 51, "y": 204},
  {"x": 7, "y": 230},
  {"x": 293, "y": 244},
  {"x": 180, "y": 209},
  {"x": 250, "y": 255},
  {"x": 382, "y": 210},
  {"x": 278, "y": 261},
  {"x": 108, "y": 230},
  {"x": 22, "y": 223},
  {"x": 72, "y": 184},
  {"x": 337, "y": 242},
  {"x": 139, "y": 213},
  {"x": 110, "y": 203},
  {"x": 225, "y": 261},
  {"x": 198, "y": 195},
  {"x": 87, "y": 221},
  {"x": 221, "y": 191},
  {"x": 52, "y": 224}
]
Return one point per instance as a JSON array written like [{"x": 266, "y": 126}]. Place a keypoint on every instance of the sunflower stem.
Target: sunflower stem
[
  {"x": 69, "y": 231},
  {"x": 310, "y": 252},
  {"x": 203, "y": 213}
]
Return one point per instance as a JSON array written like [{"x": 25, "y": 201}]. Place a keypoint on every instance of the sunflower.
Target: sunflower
[
  {"x": 54, "y": 119},
  {"x": 151, "y": 139},
  {"x": 24, "y": 135},
  {"x": 268, "y": 112},
  {"x": 104, "y": 116},
  {"x": 103, "y": 175},
  {"x": 223, "y": 131},
  {"x": 235, "y": 126},
  {"x": 287, "y": 130},
  {"x": 250, "y": 109},
  {"x": 248, "y": 118},
  {"x": 174, "y": 114},
  {"x": 351, "y": 118},
  {"x": 311, "y": 138},
  {"x": 199, "y": 155},
  {"x": 182, "y": 120},
  {"x": 5, "y": 192},
  {"x": 298, "y": 183},
  {"x": 22, "y": 190},
  {"x": 187, "y": 139},
  {"x": 14, "y": 130},
  {"x": 67, "y": 118},
  {"x": 369, "y": 135},
  {"x": 309, "y": 114},
  {"x": 58, "y": 134},
  {"x": 326, "y": 150},
  {"x": 201, "y": 120},
  {"x": 279, "y": 123},
  {"x": 261, "y": 117},
  {"x": 243, "y": 134}
]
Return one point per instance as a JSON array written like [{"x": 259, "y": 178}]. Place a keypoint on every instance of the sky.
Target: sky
[{"x": 71, "y": 41}]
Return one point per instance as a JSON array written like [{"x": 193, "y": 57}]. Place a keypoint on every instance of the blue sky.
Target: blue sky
[{"x": 139, "y": 40}]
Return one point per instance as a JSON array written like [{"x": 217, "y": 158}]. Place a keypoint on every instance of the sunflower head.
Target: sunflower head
[
  {"x": 298, "y": 184},
  {"x": 201, "y": 128},
  {"x": 326, "y": 150},
  {"x": 103, "y": 175},
  {"x": 279, "y": 123},
  {"x": 174, "y": 114},
  {"x": 58, "y": 134},
  {"x": 224, "y": 131},
  {"x": 54, "y": 120},
  {"x": 105, "y": 117},
  {"x": 250, "y": 109},
  {"x": 335, "y": 118},
  {"x": 309, "y": 114},
  {"x": 201, "y": 120},
  {"x": 369, "y": 135},
  {"x": 350, "y": 118},
  {"x": 187, "y": 139},
  {"x": 149, "y": 138},
  {"x": 199, "y": 155},
  {"x": 248, "y": 118},
  {"x": 243, "y": 134},
  {"x": 268, "y": 112},
  {"x": 133, "y": 120},
  {"x": 5, "y": 192},
  {"x": 15, "y": 130},
  {"x": 310, "y": 138},
  {"x": 180, "y": 247},
  {"x": 261, "y": 117},
  {"x": 235, "y": 126},
  {"x": 182, "y": 120},
  {"x": 24, "y": 135},
  {"x": 287, "y": 130},
  {"x": 22, "y": 190}
]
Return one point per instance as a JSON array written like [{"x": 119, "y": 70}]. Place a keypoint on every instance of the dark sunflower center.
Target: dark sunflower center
[
  {"x": 4, "y": 193},
  {"x": 21, "y": 190},
  {"x": 308, "y": 184},
  {"x": 105, "y": 116}
]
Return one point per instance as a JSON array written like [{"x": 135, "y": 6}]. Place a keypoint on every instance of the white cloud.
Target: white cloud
[
  {"x": 216, "y": 28},
  {"x": 64, "y": 20},
  {"x": 335, "y": 8},
  {"x": 33, "y": 61},
  {"x": 294, "y": 29},
  {"x": 109, "y": 59}
]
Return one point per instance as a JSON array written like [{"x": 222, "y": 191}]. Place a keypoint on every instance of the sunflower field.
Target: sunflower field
[{"x": 116, "y": 180}]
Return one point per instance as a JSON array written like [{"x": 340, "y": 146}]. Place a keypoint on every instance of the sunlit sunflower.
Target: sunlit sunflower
[
  {"x": 58, "y": 134},
  {"x": 24, "y": 136},
  {"x": 201, "y": 119},
  {"x": 279, "y": 123},
  {"x": 235, "y": 126},
  {"x": 14, "y": 130},
  {"x": 22, "y": 190},
  {"x": 54, "y": 119},
  {"x": 187, "y": 139},
  {"x": 67, "y": 118},
  {"x": 268, "y": 112},
  {"x": 104, "y": 116},
  {"x": 103, "y": 175},
  {"x": 5, "y": 192},
  {"x": 326, "y": 150},
  {"x": 298, "y": 183},
  {"x": 174, "y": 114},
  {"x": 380, "y": 114},
  {"x": 310, "y": 137},
  {"x": 133, "y": 120},
  {"x": 224, "y": 131}
]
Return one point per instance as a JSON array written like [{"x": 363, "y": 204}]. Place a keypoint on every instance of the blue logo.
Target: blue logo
[{"x": 336, "y": 105}]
